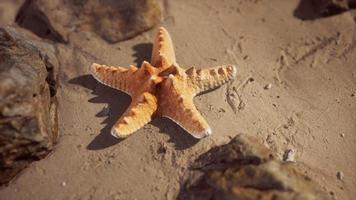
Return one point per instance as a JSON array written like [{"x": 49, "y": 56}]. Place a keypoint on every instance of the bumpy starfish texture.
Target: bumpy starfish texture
[{"x": 162, "y": 88}]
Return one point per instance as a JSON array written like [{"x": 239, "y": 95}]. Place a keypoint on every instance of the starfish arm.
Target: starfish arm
[
  {"x": 163, "y": 52},
  {"x": 115, "y": 77},
  {"x": 176, "y": 103},
  {"x": 211, "y": 78},
  {"x": 137, "y": 115}
]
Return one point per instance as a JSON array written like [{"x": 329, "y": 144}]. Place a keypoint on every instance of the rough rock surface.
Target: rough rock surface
[
  {"x": 112, "y": 20},
  {"x": 244, "y": 169},
  {"x": 28, "y": 108}
]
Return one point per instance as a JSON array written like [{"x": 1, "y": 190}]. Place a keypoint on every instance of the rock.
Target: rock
[
  {"x": 313, "y": 9},
  {"x": 28, "y": 108},
  {"x": 245, "y": 169},
  {"x": 268, "y": 86},
  {"x": 289, "y": 155},
  {"x": 111, "y": 19},
  {"x": 332, "y": 7}
]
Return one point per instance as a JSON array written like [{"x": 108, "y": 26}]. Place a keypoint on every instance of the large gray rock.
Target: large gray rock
[
  {"x": 113, "y": 20},
  {"x": 245, "y": 169},
  {"x": 28, "y": 106}
]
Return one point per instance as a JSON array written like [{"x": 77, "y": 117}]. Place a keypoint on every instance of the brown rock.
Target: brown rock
[
  {"x": 245, "y": 169},
  {"x": 28, "y": 108},
  {"x": 332, "y": 7},
  {"x": 313, "y": 9},
  {"x": 111, "y": 19}
]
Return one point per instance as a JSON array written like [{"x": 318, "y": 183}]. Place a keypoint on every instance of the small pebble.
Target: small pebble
[
  {"x": 289, "y": 155},
  {"x": 340, "y": 175},
  {"x": 63, "y": 184},
  {"x": 268, "y": 86},
  {"x": 342, "y": 134}
]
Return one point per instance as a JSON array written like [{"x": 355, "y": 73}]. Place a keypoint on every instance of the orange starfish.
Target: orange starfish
[{"x": 162, "y": 88}]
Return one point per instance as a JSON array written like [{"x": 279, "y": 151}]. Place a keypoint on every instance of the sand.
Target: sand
[{"x": 309, "y": 105}]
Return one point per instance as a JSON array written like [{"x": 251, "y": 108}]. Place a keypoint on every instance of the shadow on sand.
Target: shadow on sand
[{"x": 118, "y": 102}]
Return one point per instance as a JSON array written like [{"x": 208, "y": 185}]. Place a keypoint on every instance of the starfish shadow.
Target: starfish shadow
[
  {"x": 117, "y": 104},
  {"x": 180, "y": 137},
  {"x": 142, "y": 53}
]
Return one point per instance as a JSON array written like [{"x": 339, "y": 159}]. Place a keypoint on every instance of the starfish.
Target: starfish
[{"x": 162, "y": 89}]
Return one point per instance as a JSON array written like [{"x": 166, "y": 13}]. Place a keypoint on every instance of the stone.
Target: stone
[
  {"x": 332, "y": 7},
  {"x": 314, "y": 9},
  {"x": 289, "y": 155},
  {"x": 340, "y": 175},
  {"x": 268, "y": 86},
  {"x": 110, "y": 19},
  {"x": 28, "y": 104},
  {"x": 245, "y": 169}
]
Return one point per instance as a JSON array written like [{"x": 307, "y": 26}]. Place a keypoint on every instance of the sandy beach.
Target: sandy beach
[{"x": 295, "y": 90}]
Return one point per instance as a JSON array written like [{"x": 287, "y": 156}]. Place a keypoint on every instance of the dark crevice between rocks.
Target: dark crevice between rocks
[
  {"x": 51, "y": 82},
  {"x": 37, "y": 22},
  {"x": 50, "y": 79}
]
